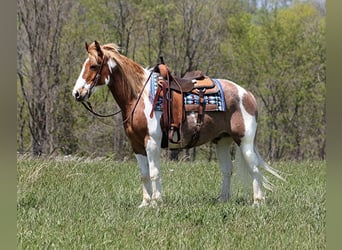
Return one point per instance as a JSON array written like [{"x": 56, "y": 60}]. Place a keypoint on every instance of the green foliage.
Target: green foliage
[
  {"x": 280, "y": 57},
  {"x": 92, "y": 204}
]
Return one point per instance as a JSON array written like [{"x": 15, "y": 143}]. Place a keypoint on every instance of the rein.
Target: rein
[
  {"x": 139, "y": 96},
  {"x": 89, "y": 107}
]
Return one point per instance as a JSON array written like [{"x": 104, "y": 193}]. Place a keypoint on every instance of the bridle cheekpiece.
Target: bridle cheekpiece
[{"x": 96, "y": 78}]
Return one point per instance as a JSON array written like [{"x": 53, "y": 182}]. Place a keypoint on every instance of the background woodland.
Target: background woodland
[{"x": 274, "y": 48}]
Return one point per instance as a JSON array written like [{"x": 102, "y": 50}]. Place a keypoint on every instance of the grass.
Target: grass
[{"x": 93, "y": 205}]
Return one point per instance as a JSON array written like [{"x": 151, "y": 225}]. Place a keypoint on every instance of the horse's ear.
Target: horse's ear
[
  {"x": 98, "y": 49},
  {"x": 86, "y": 46}
]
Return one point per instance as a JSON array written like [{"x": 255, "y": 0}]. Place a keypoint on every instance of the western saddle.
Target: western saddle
[{"x": 172, "y": 90}]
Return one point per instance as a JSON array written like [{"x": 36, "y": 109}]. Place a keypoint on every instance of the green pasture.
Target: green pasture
[{"x": 93, "y": 204}]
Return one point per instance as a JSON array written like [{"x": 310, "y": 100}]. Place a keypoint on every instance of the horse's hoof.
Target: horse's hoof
[
  {"x": 156, "y": 203},
  {"x": 144, "y": 203},
  {"x": 259, "y": 202}
]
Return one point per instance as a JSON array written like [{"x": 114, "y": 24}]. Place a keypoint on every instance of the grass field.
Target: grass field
[{"x": 80, "y": 204}]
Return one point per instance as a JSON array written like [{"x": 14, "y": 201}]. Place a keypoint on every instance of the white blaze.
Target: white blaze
[{"x": 80, "y": 81}]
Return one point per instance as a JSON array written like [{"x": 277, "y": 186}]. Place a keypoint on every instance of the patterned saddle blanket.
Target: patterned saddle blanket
[{"x": 213, "y": 101}]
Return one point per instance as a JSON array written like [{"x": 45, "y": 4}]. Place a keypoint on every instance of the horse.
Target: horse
[{"x": 129, "y": 84}]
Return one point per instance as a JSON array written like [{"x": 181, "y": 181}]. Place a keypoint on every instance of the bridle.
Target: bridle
[
  {"x": 94, "y": 83},
  {"x": 97, "y": 77}
]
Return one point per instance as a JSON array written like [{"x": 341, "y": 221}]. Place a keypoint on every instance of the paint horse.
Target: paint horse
[{"x": 130, "y": 86}]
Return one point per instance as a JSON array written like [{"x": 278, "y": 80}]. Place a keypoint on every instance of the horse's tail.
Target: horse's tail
[
  {"x": 244, "y": 169},
  {"x": 266, "y": 183}
]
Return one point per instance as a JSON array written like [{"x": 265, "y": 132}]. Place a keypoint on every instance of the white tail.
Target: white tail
[{"x": 244, "y": 171}]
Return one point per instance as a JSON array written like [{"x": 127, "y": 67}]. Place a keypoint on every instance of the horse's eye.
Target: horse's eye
[{"x": 94, "y": 66}]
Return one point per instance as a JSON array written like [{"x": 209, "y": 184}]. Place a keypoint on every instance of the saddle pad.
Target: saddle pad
[{"x": 216, "y": 99}]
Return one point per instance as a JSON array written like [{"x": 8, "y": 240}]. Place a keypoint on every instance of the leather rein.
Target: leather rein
[{"x": 89, "y": 107}]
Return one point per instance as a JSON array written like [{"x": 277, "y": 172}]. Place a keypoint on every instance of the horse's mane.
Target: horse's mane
[{"x": 132, "y": 73}]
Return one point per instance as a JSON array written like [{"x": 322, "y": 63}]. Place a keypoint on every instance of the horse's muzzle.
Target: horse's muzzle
[
  {"x": 81, "y": 94},
  {"x": 78, "y": 97}
]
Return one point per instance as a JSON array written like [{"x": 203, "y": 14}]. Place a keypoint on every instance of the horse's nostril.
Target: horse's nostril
[{"x": 77, "y": 96}]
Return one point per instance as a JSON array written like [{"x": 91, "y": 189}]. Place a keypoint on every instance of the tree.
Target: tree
[
  {"x": 280, "y": 56},
  {"x": 40, "y": 26}
]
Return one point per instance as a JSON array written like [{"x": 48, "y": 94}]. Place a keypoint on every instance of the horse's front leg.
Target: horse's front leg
[
  {"x": 153, "y": 157},
  {"x": 145, "y": 178}
]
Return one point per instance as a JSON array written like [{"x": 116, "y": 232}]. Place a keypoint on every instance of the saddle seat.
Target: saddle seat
[{"x": 192, "y": 82}]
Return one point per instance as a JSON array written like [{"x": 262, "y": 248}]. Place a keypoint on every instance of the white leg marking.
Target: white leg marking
[
  {"x": 224, "y": 159},
  {"x": 145, "y": 178},
  {"x": 153, "y": 156},
  {"x": 153, "y": 149},
  {"x": 252, "y": 162}
]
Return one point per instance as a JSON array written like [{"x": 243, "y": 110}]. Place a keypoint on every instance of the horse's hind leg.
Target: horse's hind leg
[
  {"x": 252, "y": 162},
  {"x": 224, "y": 158}
]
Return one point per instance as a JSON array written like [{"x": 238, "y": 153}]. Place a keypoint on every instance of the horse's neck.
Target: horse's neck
[{"x": 120, "y": 93}]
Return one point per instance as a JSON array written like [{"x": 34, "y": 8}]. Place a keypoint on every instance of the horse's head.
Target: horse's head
[{"x": 94, "y": 73}]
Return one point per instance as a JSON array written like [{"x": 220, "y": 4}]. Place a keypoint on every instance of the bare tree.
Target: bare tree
[{"x": 40, "y": 25}]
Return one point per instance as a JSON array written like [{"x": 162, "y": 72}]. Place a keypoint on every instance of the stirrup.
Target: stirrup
[{"x": 172, "y": 133}]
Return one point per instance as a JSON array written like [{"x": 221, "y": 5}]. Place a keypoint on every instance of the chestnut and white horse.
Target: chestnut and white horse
[{"x": 129, "y": 85}]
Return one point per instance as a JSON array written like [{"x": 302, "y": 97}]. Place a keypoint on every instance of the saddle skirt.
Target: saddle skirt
[{"x": 213, "y": 97}]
